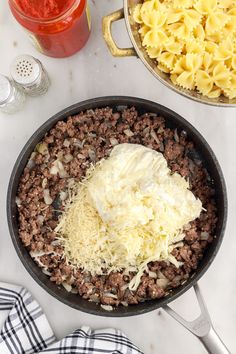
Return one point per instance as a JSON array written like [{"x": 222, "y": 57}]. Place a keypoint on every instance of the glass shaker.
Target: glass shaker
[
  {"x": 11, "y": 97},
  {"x": 29, "y": 73}
]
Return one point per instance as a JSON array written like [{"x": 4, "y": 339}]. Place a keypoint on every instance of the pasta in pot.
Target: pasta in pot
[{"x": 193, "y": 41}]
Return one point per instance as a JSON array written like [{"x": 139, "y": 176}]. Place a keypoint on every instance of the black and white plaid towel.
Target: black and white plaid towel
[{"x": 26, "y": 330}]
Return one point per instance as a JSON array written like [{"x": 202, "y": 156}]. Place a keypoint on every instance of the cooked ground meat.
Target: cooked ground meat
[{"x": 84, "y": 139}]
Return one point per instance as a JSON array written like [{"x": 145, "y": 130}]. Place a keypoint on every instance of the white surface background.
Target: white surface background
[{"x": 90, "y": 73}]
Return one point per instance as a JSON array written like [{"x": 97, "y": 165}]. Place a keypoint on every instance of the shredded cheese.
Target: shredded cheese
[{"x": 130, "y": 210}]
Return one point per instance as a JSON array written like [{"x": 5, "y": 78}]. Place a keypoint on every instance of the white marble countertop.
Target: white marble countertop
[{"x": 91, "y": 73}]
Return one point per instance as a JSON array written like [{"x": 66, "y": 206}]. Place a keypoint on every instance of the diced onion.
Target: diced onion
[
  {"x": 63, "y": 195},
  {"x": 154, "y": 136},
  {"x": 37, "y": 254},
  {"x": 54, "y": 170},
  {"x": 42, "y": 148},
  {"x": 107, "y": 307},
  {"x": 113, "y": 296},
  {"x": 66, "y": 143},
  {"x": 162, "y": 283},
  {"x": 92, "y": 155},
  {"x": 204, "y": 235},
  {"x": 18, "y": 201},
  {"x": 40, "y": 219},
  {"x": 94, "y": 298},
  {"x": 160, "y": 275},
  {"x": 46, "y": 195},
  {"x": 176, "y": 136},
  {"x": 45, "y": 271},
  {"x": 68, "y": 158},
  {"x": 128, "y": 132},
  {"x": 114, "y": 141},
  {"x": 31, "y": 162},
  {"x": 124, "y": 287},
  {"x": 78, "y": 143},
  {"x": 67, "y": 287},
  {"x": 44, "y": 182},
  {"x": 58, "y": 167},
  {"x": 152, "y": 274}
]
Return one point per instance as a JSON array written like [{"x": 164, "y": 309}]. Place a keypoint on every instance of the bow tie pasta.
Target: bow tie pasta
[{"x": 194, "y": 41}]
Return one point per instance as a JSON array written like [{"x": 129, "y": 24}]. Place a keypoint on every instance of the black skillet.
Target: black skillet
[{"x": 173, "y": 120}]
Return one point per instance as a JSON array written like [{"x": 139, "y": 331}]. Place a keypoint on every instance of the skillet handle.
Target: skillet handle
[
  {"x": 106, "y": 29},
  {"x": 201, "y": 327},
  {"x": 213, "y": 343}
]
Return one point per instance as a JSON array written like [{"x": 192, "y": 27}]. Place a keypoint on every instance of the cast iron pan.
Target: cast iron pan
[{"x": 173, "y": 120}]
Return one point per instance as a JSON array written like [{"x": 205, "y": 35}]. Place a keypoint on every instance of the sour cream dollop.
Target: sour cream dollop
[{"x": 134, "y": 186}]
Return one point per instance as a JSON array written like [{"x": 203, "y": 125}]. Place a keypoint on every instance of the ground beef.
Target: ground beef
[{"x": 84, "y": 139}]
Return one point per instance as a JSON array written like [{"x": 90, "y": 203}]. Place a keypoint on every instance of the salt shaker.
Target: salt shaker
[
  {"x": 11, "y": 97},
  {"x": 29, "y": 73}
]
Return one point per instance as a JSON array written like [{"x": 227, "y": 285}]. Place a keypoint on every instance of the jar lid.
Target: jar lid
[
  {"x": 25, "y": 70},
  {"x": 5, "y": 89}
]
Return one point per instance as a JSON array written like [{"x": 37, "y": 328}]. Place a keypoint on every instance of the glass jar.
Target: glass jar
[
  {"x": 11, "y": 98},
  {"x": 59, "y": 31}
]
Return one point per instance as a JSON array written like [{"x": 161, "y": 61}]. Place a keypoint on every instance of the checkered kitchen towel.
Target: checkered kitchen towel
[{"x": 26, "y": 330}]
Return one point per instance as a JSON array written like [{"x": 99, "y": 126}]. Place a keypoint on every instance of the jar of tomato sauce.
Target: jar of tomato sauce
[{"x": 58, "y": 28}]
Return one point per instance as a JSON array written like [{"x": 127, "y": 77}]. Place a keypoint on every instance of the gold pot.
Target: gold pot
[{"x": 139, "y": 50}]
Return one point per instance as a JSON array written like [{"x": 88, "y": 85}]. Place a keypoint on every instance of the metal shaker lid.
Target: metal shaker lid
[
  {"x": 5, "y": 89},
  {"x": 25, "y": 70}
]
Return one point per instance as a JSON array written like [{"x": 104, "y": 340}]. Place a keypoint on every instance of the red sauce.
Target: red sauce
[
  {"x": 44, "y": 9},
  {"x": 59, "y": 28}
]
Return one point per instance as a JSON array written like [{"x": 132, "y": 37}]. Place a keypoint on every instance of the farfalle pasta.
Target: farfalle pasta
[{"x": 194, "y": 41}]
